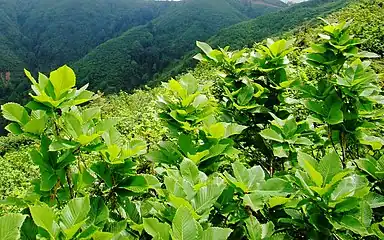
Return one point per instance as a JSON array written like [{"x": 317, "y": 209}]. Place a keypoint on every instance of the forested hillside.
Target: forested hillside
[
  {"x": 135, "y": 57},
  {"x": 246, "y": 33},
  {"x": 282, "y": 140}
]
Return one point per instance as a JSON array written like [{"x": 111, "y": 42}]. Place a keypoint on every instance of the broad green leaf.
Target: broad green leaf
[
  {"x": 366, "y": 214},
  {"x": 189, "y": 83},
  {"x": 99, "y": 212},
  {"x": 329, "y": 166},
  {"x": 156, "y": 229},
  {"x": 62, "y": 144},
  {"x": 62, "y": 80},
  {"x": 36, "y": 126},
  {"x": 271, "y": 134},
  {"x": 233, "y": 129},
  {"x": 335, "y": 115},
  {"x": 74, "y": 214},
  {"x": 14, "y": 128},
  {"x": 254, "y": 229},
  {"x": 184, "y": 226},
  {"x": 207, "y": 196},
  {"x": 254, "y": 200},
  {"x": 15, "y": 112},
  {"x": 10, "y": 225},
  {"x": 347, "y": 205},
  {"x": 348, "y": 187},
  {"x": 206, "y": 49},
  {"x": 310, "y": 165},
  {"x": 44, "y": 217},
  {"x": 189, "y": 171},
  {"x": 102, "y": 236},
  {"x": 215, "y": 233},
  {"x": 276, "y": 201},
  {"x": 178, "y": 202},
  {"x": 245, "y": 95},
  {"x": 375, "y": 200}
]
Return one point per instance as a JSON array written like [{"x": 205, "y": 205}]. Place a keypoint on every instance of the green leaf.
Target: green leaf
[
  {"x": 347, "y": 205},
  {"x": 189, "y": 171},
  {"x": 207, "y": 196},
  {"x": 335, "y": 115},
  {"x": 73, "y": 215},
  {"x": 254, "y": 200},
  {"x": 215, "y": 233},
  {"x": 44, "y": 217},
  {"x": 131, "y": 209},
  {"x": 36, "y": 126},
  {"x": 102, "y": 236},
  {"x": 184, "y": 226},
  {"x": 15, "y": 112},
  {"x": 310, "y": 165},
  {"x": 10, "y": 225},
  {"x": 329, "y": 166},
  {"x": 136, "y": 183},
  {"x": 99, "y": 212},
  {"x": 156, "y": 229},
  {"x": 189, "y": 83},
  {"x": 253, "y": 227},
  {"x": 375, "y": 200},
  {"x": 62, "y": 80},
  {"x": 366, "y": 214},
  {"x": 276, "y": 201},
  {"x": 245, "y": 95},
  {"x": 14, "y": 128},
  {"x": 61, "y": 144},
  {"x": 348, "y": 187},
  {"x": 233, "y": 129},
  {"x": 271, "y": 134},
  {"x": 206, "y": 49}
]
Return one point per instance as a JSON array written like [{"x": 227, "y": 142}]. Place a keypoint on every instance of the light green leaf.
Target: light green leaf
[
  {"x": 254, "y": 229},
  {"x": 62, "y": 80},
  {"x": 310, "y": 165},
  {"x": 189, "y": 171},
  {"x": 276, "y": 201},
  {"x": 184, "y": 226},
  {"x": 215, "y": 233},
  {"x": 74, "y": 214},
  {"x": 329, "y": 166},
  {"x": 271, "y": 134},
  {"x": 44, "y": 217},
  {"x": 15, "y": 112},
  {"x": 254, "y": 200},
  {"x": 156, "y": 229},
  {"x": 10, "y": 225}
]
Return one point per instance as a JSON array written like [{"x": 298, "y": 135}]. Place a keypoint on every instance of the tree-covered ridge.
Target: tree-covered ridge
[
  {"x": 246, "y": 33},
  {"x": 140, "y": 53}
]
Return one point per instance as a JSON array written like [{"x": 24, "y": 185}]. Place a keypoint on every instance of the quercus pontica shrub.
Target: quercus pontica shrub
[{"x": 319, "y": 174}]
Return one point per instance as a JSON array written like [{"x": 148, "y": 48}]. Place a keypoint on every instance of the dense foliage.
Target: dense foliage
[{"x": 273, "y": 142}]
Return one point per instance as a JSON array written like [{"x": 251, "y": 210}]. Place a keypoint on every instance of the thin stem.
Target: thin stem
[{"x": 69, "y": 180}]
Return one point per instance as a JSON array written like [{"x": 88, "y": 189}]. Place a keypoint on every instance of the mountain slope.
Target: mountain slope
[
  {"x": 59, "y": 32},
  {"x": 136, "y": 56},
  {"x": 246, "y": 33}
]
